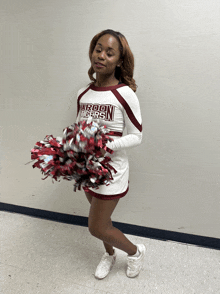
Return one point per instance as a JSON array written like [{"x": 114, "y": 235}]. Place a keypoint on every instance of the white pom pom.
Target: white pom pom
[{"x": 89, "y": 120}]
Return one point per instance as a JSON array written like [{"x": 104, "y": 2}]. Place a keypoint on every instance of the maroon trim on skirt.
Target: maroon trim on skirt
[
  {"x": 112, "y": 133},
  {"x": 127, "y": 109},
  {"x": 106, "y": 197}
]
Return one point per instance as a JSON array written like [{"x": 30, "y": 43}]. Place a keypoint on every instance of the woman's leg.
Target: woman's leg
[
  {"x": 100, "y": 225},
  {"x": 107, "y": 246}
]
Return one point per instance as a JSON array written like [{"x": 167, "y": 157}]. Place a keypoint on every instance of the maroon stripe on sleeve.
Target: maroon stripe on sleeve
[
  {"x": 128, "y": 110},
  {"x": 80, "y": 96}
]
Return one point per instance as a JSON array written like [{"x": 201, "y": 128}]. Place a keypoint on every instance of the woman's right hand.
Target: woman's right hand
[{"x": 103, "y": 152}]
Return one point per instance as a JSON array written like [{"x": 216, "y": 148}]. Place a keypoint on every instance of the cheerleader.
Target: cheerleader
[{"x": 110, "y": 99}]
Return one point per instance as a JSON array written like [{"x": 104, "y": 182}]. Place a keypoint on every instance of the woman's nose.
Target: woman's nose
[{"x": 101, "y": 55}]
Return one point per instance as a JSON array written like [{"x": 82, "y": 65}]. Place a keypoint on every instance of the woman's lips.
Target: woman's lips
[{"x": 99, "y": 65}]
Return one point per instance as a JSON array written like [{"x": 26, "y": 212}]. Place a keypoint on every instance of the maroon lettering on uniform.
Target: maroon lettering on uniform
[
  {"x": 103, "y": 108},
  {"x": 95, "y": 107},
  {"x": 88, "y": 106},
  {"x": 110, "y": 112},
  {"x": 102, "y": 111}
]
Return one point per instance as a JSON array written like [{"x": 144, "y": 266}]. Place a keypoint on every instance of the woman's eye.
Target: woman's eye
[{"x": 98, "y": 51}]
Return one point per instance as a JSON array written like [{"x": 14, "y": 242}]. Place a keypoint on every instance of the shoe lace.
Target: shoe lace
[{"x": 131, "y": 263}]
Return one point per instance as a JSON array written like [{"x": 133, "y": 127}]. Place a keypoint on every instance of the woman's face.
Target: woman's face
[{"x": 106, "y": 55}]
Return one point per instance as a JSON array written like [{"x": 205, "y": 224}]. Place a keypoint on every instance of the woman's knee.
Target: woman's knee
[{"x": 98, "y": 230}]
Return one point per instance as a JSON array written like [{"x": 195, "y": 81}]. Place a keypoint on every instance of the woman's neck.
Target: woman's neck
[{"x": 103, "y": 82}]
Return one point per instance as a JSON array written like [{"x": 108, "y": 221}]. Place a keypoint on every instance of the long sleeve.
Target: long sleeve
[
  {"x": 127, "y": 141},
  {"x": 77, "y": 117},
  {"x": 130, "y": 107},
  {"x": 80, "y": 92}
]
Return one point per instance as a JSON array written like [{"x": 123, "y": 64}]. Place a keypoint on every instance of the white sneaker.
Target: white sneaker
[
  {"x": 135, "y": 264},
  {"x": 105, "y": 265}
]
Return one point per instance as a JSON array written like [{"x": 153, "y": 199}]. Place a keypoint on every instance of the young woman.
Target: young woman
[{"x": 111, "y": 100}]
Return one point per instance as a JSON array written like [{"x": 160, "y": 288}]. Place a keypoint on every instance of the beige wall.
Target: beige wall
[{"x": 174, "y": 174}]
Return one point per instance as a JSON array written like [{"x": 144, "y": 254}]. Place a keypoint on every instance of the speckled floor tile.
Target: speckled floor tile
[
  {"x": 18, "y": 281},
  {"x": 40, "y": 256}
]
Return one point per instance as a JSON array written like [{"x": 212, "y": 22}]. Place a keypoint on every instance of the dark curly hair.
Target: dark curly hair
[{"x": 124, "y": 73}]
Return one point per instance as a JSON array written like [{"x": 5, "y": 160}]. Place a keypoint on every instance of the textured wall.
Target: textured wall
[{"x": 174, "y": 174}]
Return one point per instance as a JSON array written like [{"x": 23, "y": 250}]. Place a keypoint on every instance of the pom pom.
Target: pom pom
[{"x": 76, "y": 156}]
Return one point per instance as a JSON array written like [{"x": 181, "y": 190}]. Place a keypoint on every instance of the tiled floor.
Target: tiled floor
[{"x": 40, "y": 256}]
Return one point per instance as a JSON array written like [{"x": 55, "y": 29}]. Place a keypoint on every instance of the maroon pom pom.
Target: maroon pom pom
[{"x": 76, "y": 156}]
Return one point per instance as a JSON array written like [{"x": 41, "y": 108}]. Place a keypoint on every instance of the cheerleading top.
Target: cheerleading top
[{"x": 118, "y": 108}]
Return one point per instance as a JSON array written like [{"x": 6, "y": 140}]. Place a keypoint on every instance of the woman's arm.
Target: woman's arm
[{"x": 132, "y": 118}]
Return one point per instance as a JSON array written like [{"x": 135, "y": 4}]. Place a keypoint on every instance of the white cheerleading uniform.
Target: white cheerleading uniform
[{"x": 116, "y": 107}]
